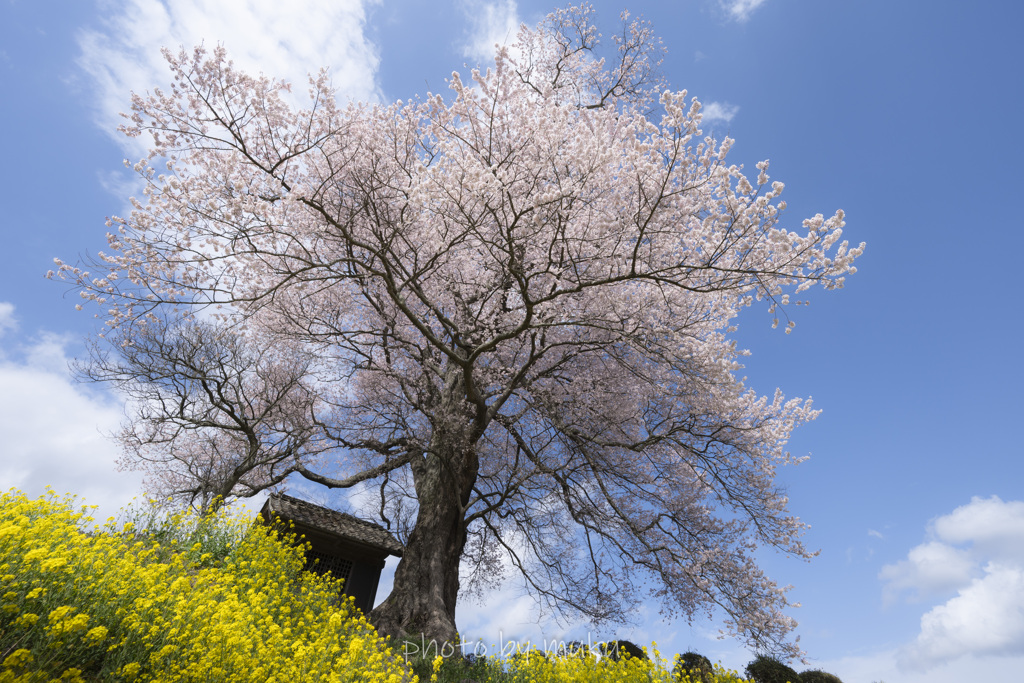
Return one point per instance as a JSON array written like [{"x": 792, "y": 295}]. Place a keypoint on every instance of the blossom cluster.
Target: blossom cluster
[{"x": 110, "y": 603}]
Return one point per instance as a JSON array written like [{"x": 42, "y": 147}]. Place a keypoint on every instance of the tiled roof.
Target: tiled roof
[{"x": 332, "y": 521}]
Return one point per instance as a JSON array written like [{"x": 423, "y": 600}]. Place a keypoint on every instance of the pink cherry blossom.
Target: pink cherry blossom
[{"x": 504, "y": 311}]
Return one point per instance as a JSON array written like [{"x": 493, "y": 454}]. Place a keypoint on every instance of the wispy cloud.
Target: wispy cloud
[
  {"x": 740, "y": 10},
  {"x": 7, "y": 320},
  {"x": 719, "y": 111},
  {"x": 978, "y": 551},
  {"x": 490, "y": 24},
  {"x": 283, "y": 40}
]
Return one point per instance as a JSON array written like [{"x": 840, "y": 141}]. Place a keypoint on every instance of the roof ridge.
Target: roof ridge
[
  {"x": 349, "y": 515},
  {"x": 324, "y": 517}
]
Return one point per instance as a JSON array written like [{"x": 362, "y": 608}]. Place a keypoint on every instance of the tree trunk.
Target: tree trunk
[{"x": 426, "y": 585}]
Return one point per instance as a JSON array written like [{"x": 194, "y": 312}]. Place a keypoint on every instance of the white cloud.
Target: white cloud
[
  {"x": 284, "y": 40},
  {"x": 491, "y": 23},
  {"x": 986, "y": 617},
  {"x": 7, "y": 320},
  {"x": 719, "y": 111},
  {"x": 993, "y": 527},
  {"x": 739, "y": 10},
  {"x": 930, "y": 568},
  {"x": 882, "y": 666},
  {"x": 54, "y": 431},
  {"x": 876, "y": 534},
  {"x": 504, "y": 615}
]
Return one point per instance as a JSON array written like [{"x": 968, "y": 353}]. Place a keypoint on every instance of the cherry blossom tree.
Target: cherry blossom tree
[{"x": 505, "y": 312}]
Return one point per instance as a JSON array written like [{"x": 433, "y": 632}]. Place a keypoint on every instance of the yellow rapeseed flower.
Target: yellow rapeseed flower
[
  {"x": 18, "y": 658},
  {"x": 27, "y": 620},
  {"x": 96, "y": 635},
  {"x": 54, "y": 563},
  {"x": 130, "y": 671},
  {"x": 254, "y": 615}
]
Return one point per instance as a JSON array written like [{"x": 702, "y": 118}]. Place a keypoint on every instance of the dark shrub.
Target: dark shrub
[
  {"x": 617, "y": 649},
  {"x": 768, "y": 670},
  {"x": 818, "y": 676},
  {"x": 572, "y": 648},
  {"x": 696, "y": 666}
]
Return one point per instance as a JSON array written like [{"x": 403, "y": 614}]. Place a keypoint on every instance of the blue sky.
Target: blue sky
[{"x": 906, "y": 114}]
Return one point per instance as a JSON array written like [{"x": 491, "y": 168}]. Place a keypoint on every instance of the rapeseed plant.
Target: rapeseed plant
[
  {"x": 162, "y": 598},
  {"x": 536, "y": 666},
  {"x": 118, "y": 603}
]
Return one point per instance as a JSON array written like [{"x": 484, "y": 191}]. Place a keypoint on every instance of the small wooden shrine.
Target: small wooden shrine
[{"x": 348, "y": 547}]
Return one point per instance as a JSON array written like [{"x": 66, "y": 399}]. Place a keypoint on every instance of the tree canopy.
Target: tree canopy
[{"x": 504, "y": 312}]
